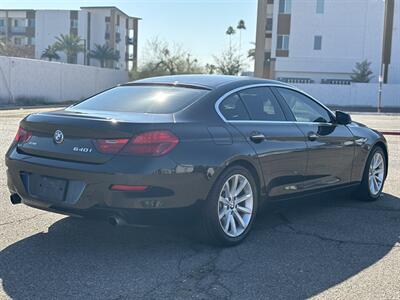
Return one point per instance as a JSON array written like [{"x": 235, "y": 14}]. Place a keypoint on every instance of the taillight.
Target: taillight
[
  {"x": 22, "y": 135},
  {"x": 151, "y": 143},
  {"x": 111, "y": 145}
]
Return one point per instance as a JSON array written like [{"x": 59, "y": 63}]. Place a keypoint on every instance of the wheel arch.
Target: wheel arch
[{"x": 257, "y": 175}]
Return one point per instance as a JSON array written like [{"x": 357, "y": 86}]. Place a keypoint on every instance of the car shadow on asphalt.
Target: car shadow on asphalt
[{"x": 298, "y": 249}]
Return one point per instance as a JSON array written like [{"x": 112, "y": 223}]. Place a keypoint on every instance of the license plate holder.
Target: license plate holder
[{"x": 47, "y": 188}]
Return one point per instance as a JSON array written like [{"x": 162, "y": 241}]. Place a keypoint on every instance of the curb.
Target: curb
[{"x": 390, "y": 132}]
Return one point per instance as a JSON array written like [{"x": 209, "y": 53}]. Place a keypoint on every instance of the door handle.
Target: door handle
[
  {"x": 257, "y": 137},
  {"x": 312, "y": 136}
]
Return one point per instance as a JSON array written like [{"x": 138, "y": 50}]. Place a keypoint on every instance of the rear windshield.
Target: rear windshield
[{"x": 143, "y": 99}]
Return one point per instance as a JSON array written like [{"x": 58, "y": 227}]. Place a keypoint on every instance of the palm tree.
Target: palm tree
[
  {"x": 70, "y": 44},
  {"x": 50, "y": 53},
  {"x": 104, "y": 54},
  {"x": 230, "y": 31},
  {"x": 241, "y": 26},
  {"x": 251, "y": 53}
]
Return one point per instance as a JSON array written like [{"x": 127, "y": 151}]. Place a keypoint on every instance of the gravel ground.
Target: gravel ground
[{"x": 322, "y": 247}]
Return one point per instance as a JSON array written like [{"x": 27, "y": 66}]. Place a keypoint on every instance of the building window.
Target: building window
[
  {"x": 31, "y": 41},
  {"x": 31, "y": 23},
  {"x": 282, "y": 42},
  {"x": 18, "y": 41},
  {"x": 74, "y": 23},
  {"x": 317, "y": 42},
  {"x": 285, "y": 6},
  {"x": 2, "y": 23},
  {"x": 320, "y": 6},
  {"x": 268, "y": 25}
]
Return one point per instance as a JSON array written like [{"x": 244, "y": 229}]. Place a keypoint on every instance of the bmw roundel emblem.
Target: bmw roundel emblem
[{"x": 58, "y": 137}]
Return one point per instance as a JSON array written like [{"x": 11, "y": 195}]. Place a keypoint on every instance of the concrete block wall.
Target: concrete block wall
[
  {"x": 53, "y": 81},
  {"x": 353, "y": 95}
]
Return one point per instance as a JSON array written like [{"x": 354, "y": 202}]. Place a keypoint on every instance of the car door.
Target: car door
[
  {"x": 279, "y": 144},
  {"x": 330, "y": 145}
]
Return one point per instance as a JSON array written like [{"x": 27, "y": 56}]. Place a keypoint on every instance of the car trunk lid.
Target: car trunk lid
[{"x": 70, "y": 134}]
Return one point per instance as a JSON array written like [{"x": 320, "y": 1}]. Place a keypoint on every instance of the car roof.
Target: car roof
[{"x": 204, "y": 81}]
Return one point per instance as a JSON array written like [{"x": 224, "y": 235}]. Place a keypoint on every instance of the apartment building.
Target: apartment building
[
  {"x": 35, "y": 30},
  {"x": 320, "y": 41}
]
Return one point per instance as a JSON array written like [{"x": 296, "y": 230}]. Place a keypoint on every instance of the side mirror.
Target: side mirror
[{"x": 342, "y": 118}]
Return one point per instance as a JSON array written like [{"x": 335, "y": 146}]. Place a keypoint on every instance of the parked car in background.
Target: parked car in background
[{"x": 220, "y": 145}]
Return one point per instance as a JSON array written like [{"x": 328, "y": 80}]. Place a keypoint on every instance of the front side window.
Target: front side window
[
  {"x": 303, "y": 108},
  {"x": 232, "y": 108},
  {"x": 261, "y": 104},
  {"x": 282, "y": 42},
  {"x": 142, "y": 99}
]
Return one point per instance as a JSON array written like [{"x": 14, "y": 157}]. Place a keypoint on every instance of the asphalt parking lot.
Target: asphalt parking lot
[{"x": 322, "y": 247}]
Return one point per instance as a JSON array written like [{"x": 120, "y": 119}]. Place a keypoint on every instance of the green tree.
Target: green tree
[
  {"x": 230, "y": 31},
  {"x": 69, "y": 44},
  {"x": 163, "y": 59},
  {"x": 241, "y": 26},
  {"x": 50, "y": 53},
  {"x": 362, "y": 72},
  {"x": 104, "y": 54},
  {"x": 7, "y": 48},
  {"x": 251, "y": 53},
  {"x": 229, "y": 62},
  {"x": 210, "y": 68}
]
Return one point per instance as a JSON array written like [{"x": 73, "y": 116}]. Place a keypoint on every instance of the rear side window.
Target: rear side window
[
  {"x": 232, "y": 108},
  {"x": 143, "y": 99},
  {"x": 262, "y": 104}
]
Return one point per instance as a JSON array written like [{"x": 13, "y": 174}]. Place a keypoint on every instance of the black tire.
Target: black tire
[
  {"x": 210, "y": 226},
  {"x": 363, "y": 192}
]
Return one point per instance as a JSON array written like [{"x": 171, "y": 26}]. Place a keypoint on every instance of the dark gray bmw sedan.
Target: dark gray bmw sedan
[{"x": 218, "y": 145}]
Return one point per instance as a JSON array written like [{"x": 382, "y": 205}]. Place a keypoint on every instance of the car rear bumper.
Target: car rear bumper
[{"x": 170, "y": 186}]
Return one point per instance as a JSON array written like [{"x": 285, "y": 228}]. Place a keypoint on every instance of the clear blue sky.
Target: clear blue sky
[{"x": 197, "y": 25}]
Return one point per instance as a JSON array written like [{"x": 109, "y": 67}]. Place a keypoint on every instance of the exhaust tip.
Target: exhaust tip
[
  {"x": 15, "y": 199},
  {"x": 116, "y": 221}
]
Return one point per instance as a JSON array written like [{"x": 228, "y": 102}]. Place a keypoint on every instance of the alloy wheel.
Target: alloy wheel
[
  {"x": 235, "y": 205},
  {"x": 376, "y": 173}
]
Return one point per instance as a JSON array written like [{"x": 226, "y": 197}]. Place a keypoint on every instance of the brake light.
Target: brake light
[
  {"x": 111, "y": 145},
  {"x": 22, "y": 135},
  {"x": 151, "y": 143}
]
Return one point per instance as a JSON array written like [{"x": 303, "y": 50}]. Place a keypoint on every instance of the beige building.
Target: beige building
[{"x": 34, "y": 30}]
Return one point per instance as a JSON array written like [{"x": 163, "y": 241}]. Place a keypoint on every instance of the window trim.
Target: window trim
[{"x": 227, "y": 94}]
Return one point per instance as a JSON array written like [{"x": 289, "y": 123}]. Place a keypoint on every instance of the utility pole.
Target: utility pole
[{"x": 386, "y": 47}]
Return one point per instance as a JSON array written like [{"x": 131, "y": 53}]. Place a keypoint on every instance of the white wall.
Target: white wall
[
  {"x": 53, "y": 81},
  {"x": 355, "y": 94}
]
